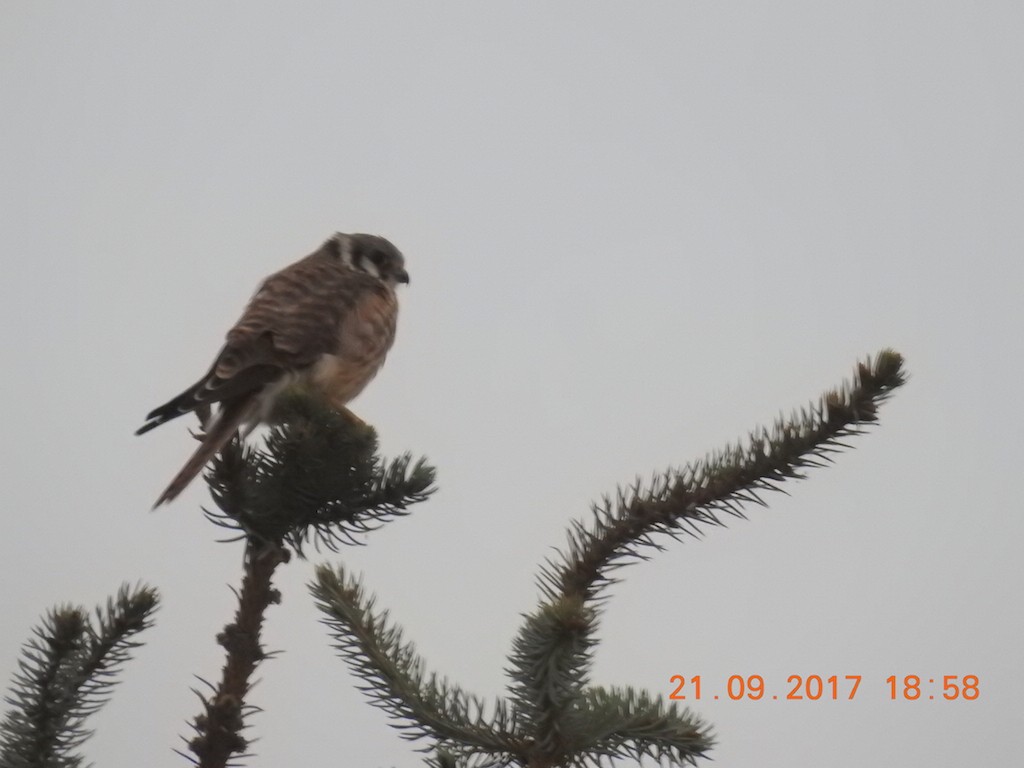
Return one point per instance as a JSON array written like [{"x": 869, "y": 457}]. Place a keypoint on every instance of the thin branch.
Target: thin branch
[
  {"x": 680, "y": 502},
  {"x": 550, "y": 665},
  {"x": 623, "y": 723},
  {"x": 394, "y": 676},
  {"x": 66, "y": 674}
]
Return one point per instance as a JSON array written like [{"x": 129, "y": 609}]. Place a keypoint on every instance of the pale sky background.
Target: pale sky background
[{"x": 635, "y": 231}]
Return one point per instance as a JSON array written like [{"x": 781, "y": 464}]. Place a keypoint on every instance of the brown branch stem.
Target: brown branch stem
[{"x": 218, "y": 729}]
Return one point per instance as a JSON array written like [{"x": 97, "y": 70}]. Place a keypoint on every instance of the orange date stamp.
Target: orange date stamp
[{"x": 826, "y": 688}]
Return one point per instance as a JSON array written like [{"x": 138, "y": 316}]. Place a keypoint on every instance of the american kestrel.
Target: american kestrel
[{"x": 325, "y": 322}]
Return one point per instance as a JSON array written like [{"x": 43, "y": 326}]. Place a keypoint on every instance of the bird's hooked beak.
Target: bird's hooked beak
[{"x": 401, "y": 276}]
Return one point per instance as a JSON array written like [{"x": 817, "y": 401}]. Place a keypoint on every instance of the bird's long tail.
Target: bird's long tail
[{"x": 217, "y": 435}]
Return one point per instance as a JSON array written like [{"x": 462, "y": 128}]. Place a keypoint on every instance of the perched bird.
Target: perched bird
[{"x": 325, "y": 322}]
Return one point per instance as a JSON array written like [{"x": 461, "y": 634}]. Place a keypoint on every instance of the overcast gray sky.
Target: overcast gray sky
[{"x": 635, "y": 231}]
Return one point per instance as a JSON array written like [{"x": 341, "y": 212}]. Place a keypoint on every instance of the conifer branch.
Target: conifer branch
[
  {"x": 443, "y": 758},
  {"x": 67, "y": 672},
  {"x": 624, "y": 723},
  {"x": 680, "y": 502},
  {"x": 550, "y": 667},
  {"x": 219, "y": 728},
  {"x": 395, "y": 678},
  {"x": 554, "y": 718},
  {"x": 317, "y": 475}
]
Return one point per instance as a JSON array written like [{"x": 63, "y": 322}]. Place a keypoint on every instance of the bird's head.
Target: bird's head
[{"x": 371, "y": 254}]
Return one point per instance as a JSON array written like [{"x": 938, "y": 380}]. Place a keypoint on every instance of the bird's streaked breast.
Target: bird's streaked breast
[{"x": 365, "y": 334}]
